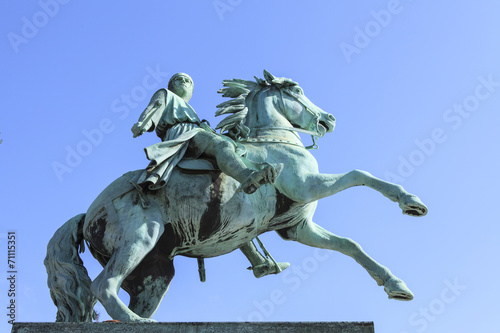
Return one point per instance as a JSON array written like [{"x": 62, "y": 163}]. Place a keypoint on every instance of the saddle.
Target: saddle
[{"x": 197, "y": 165}]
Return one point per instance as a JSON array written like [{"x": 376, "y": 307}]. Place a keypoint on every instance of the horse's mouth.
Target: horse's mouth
[
  {"x": 325, "y": 127},
  {"x": 322, "y": 127}
]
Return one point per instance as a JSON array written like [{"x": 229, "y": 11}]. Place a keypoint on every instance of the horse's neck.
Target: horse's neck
[{"x": 265, "y": 120}]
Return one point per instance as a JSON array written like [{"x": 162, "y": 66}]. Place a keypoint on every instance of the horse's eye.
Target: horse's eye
[{"x": 298, "y": 91}]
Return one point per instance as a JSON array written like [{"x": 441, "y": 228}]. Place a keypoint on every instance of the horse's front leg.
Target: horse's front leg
[
  {"x": 313, "y": 235},
  {"x": 311, "y": 187}
]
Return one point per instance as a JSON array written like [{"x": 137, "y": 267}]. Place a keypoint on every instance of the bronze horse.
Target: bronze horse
[{"x": 204, "y": 215}]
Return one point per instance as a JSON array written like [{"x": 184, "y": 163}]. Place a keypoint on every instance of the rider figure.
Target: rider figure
[
  {"x": 179, "y": 128},
  {"x": 182, "y": 132}
]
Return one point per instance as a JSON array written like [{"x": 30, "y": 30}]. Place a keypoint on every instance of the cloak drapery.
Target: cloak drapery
[{"x": 175, "y": 122}]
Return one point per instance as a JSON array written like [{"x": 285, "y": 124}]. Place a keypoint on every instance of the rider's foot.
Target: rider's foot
[
  {"x": 267, "y": 175},
  {"x": 268, "y": 268}
]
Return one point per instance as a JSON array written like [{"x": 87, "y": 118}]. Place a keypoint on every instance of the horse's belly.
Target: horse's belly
[{"x": 210, "y": 218}]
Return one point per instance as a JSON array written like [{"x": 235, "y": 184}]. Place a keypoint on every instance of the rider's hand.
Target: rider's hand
[{"x": 137, "y": 130}]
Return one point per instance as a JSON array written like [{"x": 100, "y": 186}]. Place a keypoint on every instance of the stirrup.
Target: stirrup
[{"x": 269, "y": 268}]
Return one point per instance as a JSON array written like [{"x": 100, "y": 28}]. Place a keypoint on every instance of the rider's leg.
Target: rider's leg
[
  {"x": 232, "y": 164},
  {"x": 261, "y": 266}
]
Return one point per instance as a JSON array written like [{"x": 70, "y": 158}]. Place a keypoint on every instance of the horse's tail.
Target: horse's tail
[{"x": 68, "y": 280}]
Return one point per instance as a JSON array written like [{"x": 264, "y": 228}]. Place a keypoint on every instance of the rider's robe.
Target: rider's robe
[{"x": 175, "y": 122}]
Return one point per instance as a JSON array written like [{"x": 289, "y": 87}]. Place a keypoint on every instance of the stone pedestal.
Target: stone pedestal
[{"x": 217, "y": 327}]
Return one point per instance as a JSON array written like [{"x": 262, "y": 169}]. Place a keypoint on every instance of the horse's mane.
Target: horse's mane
[{"x": 238, "y": 90}]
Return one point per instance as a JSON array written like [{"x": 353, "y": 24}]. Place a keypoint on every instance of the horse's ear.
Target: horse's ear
[{"x": 269, "y": 77}]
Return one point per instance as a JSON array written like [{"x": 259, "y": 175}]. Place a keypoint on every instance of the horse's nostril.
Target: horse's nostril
[{"x": 331, "y": 117}]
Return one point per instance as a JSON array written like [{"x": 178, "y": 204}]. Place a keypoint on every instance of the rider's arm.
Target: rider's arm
[{"x": 151, "y": 115}]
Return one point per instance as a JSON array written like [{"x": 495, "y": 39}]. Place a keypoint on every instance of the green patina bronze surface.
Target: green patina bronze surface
[{"x": 142, "y": 220}]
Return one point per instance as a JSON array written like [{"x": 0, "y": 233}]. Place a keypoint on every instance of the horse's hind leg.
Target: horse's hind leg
[
  {"x": 136, "y": 241},
  {"x": 149, "y": 282},
  {"x": 313, "y": 235},
  {"x": 145, "y": 300}
]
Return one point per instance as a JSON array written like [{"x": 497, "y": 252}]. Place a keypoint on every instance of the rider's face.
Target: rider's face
[{"x": 182, "y": 86}]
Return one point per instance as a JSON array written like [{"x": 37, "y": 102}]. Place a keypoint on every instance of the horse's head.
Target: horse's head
[
  {"x": 298, "y": 109},
  {"x": 272, "y": 103}
]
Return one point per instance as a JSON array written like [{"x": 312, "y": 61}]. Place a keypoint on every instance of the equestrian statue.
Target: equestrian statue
[{"x": 206, "y": 194}]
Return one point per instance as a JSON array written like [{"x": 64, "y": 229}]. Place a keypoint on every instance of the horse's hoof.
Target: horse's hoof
[
  {"x": 269, "y": 268},
  {"x": 145, "y": 320},
  {"x": 413, "y": 206},
  {"x": 397, "y": 289}
]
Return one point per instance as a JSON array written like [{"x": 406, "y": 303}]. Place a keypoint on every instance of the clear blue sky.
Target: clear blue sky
[{"x": 415, "y": 88}]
